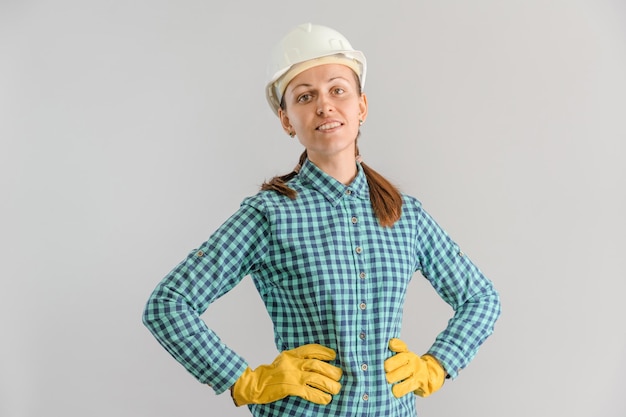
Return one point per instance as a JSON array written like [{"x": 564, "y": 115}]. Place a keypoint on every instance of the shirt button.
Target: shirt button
[
  {"x": 362, "y": 275},
  {"x": 364, "y": 367},
  {"x": 358, "y": 249},
  {"x": 200, "y": 253},
  {"x": 354, "y": 220},
  {"x": 362, "y": 336},
  {"x": 365, "y": 397},
  {"x": 348, "y": 192},
  {"x": 362, "y": 306}
]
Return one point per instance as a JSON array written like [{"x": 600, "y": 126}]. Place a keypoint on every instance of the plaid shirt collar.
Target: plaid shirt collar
[{"x": 333, "y": 190}]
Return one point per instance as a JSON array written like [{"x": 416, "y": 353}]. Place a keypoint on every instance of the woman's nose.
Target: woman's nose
[{"x": 324, "y": 105}]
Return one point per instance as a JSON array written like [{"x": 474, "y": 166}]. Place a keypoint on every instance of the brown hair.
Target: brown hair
[{"x": 385, "y": 197}]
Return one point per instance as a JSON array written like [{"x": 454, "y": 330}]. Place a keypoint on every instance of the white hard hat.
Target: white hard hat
[{"x": 307, "y": 46}]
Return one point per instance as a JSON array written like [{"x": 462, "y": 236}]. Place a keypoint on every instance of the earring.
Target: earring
[
  {"x": 292, "y": 134},
  {"x": 360, "y": 122}
]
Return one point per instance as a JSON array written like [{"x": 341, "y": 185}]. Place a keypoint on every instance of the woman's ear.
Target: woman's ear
[
  {"x": 363, "y": 107},
  {"x": 284, "y": 121}
]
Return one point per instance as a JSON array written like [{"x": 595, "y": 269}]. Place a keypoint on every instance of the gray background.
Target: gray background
[{"x": 131, "y": 129}]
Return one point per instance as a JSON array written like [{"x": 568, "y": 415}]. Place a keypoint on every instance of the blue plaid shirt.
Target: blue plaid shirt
[{"x": 328, "y": 274}]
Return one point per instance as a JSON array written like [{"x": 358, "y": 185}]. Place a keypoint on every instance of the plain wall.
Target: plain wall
[{"x": 131, "y": 129}]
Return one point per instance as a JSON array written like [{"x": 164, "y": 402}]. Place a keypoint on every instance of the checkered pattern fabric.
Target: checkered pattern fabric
[{"x": 328, "y": 274}]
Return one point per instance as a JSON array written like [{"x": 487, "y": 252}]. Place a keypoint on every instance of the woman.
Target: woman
[{"x": 331, "y": 248}]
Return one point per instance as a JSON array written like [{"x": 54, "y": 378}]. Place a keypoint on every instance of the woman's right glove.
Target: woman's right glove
[{"x": 300, "y": 371}]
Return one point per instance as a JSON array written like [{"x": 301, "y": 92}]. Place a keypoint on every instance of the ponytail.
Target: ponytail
[
  {"x": 385, "y": 198},
  {"x": 279, "y": 183}
]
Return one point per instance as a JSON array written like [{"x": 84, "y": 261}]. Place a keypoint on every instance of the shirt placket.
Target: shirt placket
[{"x": 361, "y": 299}]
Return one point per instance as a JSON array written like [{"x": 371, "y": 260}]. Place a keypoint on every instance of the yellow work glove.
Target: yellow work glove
[
  {"x": 412, "y": 373},
  {"x": 300, "y": 371}
]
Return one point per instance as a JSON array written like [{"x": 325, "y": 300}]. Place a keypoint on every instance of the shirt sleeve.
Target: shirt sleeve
[
  {"x": 463, "y": 286},
  {"x": 172, "y": 313}
]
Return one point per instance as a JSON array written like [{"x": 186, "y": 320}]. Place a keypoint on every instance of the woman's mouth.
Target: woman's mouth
[{"x": 328, "y": 126}]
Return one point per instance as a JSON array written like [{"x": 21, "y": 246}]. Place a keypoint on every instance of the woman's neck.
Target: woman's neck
[{"x": 342, "y": 168}]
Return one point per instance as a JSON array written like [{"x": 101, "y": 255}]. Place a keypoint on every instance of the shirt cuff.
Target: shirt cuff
[
  {"x": 224, "y": 378},
  {"x": 449, "y": 356}
]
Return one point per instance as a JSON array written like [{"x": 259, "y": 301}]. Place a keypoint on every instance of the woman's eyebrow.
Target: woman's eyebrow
[
  {"x": 331, "y": 79},
  {"x": 308, "y": 85},
  {"x": 302, "y": 85},
  {"x": 337, "y": 78}
]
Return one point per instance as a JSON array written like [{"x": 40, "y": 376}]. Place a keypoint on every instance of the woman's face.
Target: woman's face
[{"x": 323, "y": 107}]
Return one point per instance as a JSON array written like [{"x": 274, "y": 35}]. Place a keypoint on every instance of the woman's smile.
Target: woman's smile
[{"x": 329, "y": 125}]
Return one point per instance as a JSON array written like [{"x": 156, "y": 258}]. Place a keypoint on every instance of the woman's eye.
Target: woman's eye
[
  {"x": 304, "y": 98},
  {"x": 339, "y": 90}
]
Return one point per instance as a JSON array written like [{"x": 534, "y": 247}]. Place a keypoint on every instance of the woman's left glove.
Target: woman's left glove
[{"x": 412, "y": 373}]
